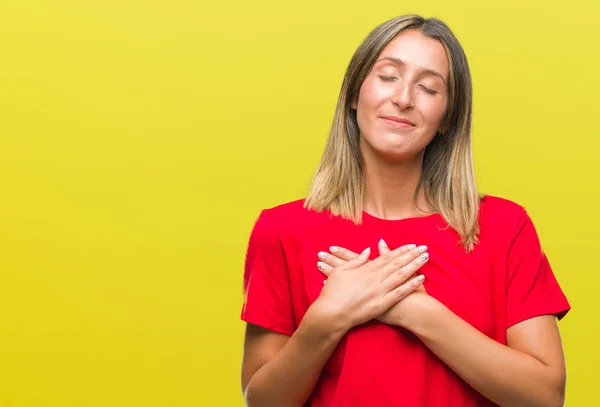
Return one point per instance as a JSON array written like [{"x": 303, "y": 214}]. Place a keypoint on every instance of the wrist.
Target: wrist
[
  {"x": 324, "y": 322},
  {"x": 423, "y": 308}
]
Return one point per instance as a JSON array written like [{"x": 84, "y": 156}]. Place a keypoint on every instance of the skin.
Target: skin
[
  {"x": 278, "y": 370},
  {"x": 408, "y": 81},
  {"x": 529, "y": 371}
]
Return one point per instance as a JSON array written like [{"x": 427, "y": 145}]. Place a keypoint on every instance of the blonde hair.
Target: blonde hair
[{"x": 447, "y": 178}]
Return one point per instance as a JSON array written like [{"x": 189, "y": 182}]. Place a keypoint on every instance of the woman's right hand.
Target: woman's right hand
[{"x": 361, "y": 290}]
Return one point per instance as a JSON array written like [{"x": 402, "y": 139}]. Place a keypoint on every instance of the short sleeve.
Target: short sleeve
[
  {"x": 267, "y": 299},
  {"x": 532, "y": 288}
]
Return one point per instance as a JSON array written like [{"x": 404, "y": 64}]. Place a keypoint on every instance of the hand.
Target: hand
[
  {"x": 360, "y": 290},
  {"x": 340, "y": 256}
]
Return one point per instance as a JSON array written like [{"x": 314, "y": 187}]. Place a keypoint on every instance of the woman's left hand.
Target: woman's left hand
[{"x": 395, "y": 315}]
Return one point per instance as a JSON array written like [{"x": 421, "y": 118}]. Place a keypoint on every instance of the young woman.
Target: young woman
[{"x": 394, "y": 283}]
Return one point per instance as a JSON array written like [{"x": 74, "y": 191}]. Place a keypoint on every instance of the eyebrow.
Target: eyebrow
[{"x": 398, "y": 61}]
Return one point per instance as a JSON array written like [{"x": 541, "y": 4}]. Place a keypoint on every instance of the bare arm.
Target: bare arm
[
  {"x": 282, "y": 371},
  {"x": 529, "y": 372}
]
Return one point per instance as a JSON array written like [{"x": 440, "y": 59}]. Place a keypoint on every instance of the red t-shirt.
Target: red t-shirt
[{"x": 504, "y": 280}]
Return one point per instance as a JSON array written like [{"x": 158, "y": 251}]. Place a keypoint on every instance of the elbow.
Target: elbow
[
  {"x": 550, "y": 394},
  {"x": 557, "y": 401},
  {"x": 559, "y": 398},
  {"x": 254, "y": 396},
  {"x": 558, "y": 394}
]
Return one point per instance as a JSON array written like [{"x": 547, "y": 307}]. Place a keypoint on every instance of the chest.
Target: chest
[{"x": 472, "y": 285}]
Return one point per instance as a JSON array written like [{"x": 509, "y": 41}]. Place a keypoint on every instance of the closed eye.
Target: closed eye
[
  {"x": 387, "y": 78},
  {"x": 428, "y": 90}
]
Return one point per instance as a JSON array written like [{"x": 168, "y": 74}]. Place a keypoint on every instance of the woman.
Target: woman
[{"x": 451, "y": 301}]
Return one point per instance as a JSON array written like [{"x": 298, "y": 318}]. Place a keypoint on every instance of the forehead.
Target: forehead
[{"x": 417, "y": 51}]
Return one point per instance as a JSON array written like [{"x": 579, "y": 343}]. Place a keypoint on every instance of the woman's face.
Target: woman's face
[{"x": 404, "y": 98}]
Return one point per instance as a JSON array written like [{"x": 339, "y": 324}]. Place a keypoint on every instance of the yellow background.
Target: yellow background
[{"x": 140, "y": 139}]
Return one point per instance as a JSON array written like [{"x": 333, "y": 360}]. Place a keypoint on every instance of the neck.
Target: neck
[{"x": 390, "y": 189}]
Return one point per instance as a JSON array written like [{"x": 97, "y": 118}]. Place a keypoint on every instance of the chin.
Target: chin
[
  {"x": 397, "y": 154},
  {"x": 394, "y": 147}
]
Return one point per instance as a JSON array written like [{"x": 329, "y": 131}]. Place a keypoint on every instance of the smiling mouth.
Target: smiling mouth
[{"x": 398, "y": 123}]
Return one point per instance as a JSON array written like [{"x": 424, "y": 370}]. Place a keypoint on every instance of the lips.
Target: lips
[{"x": 398, "y": 121}]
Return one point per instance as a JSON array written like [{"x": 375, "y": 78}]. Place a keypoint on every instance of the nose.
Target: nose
[{"x": 403, "y": 97}]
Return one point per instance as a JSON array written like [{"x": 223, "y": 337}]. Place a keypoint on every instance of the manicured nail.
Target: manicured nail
[
  {"x": 322, "y": 255},
  {"x": 321, "y": 265},
  {"x": 367, "y": 250},
  {"x": 411, "y": 246},
  {"x": 383, "y": 243},
  {"x": 420, "y": 278},
  {"x": 333, "y": 249},
  {"x": 424, "y": 256},
  {"x": 422, "y": 249}
]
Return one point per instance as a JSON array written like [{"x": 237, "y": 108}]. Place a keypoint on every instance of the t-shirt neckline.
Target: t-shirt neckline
[{"x": 368, "y": 218}]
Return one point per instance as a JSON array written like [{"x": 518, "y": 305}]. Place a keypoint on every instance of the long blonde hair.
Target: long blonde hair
[{"x": 447, "y": 178}]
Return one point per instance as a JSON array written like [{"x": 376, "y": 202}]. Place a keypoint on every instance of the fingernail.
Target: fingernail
[
  {"x": 422, "y": 248},
  {"x": 411, "y": 246},
  {"x": 333, "y": 249},
  {"x": 367, "y": 250},
  {"x": 420, "y": 277},
  {"x": 424, "y": 256},
  {"x": 383, "y": 243},
  {"x": 321, "y": 265},
  {"x": 322, "y": 255}
]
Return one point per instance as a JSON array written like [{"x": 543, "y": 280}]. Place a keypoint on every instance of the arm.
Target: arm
[
  {"x": 529, "y": 372},
  {"x": 281, "y": 362},
  {"x": 282, "y": 371}
]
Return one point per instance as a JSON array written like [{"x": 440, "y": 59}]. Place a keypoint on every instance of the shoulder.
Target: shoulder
[
  {"x": 499, "y": 208},
  {"x": 285, "y": 210},
  {"x": 501, "y": 217},
  {"x": 286, "y": 228},
  {"x": 292, "y": 217}
]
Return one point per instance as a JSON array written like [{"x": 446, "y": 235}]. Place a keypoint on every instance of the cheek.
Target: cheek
[
  {"x": 371, "y": 96},
  {"x": 434, "y": 112}
]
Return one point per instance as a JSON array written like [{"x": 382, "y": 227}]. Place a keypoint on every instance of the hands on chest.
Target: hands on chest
[{"x": 387, "y": 288}]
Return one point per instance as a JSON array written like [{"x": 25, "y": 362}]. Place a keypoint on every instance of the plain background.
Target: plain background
[{"x": 139, "y": 141}]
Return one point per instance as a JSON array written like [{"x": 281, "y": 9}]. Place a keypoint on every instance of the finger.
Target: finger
[
  {"x": 400, "y": 262},
  {"x": 324, "y": 268},
  {"x": 401, "y": 292},
  {"x": 343, "y": 253},
  {"x": 407, "y": 272},
  {"x": 385, "y": 258},
  {"x": 383, "y": 247},
  {"x": 406, "y": 248},
  {"x": 331, "y": 260},
  {"x": 358, "y": 261}
]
